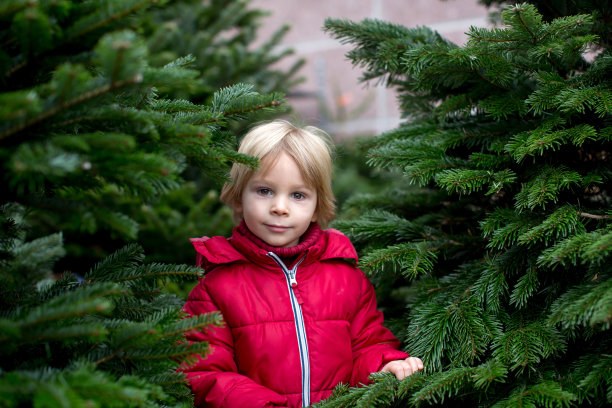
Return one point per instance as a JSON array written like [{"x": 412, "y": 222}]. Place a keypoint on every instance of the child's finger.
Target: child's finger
[
  {"x": 401, "y": 371},
  {"x": 415, "y": 364},
  {"x": 404, "y": 368},
  {"x": 401, "y": 374},
  {"x": 396, "y": 368}
]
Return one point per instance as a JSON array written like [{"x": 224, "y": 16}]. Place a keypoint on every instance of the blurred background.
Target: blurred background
[{"x": 331, "y": 95}]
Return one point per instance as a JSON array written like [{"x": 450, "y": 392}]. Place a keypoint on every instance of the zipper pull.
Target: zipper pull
[{"x": 294, "y": 288}]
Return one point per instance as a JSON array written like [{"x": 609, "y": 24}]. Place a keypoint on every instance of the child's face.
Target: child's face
[{"x": 277, "y": 205}]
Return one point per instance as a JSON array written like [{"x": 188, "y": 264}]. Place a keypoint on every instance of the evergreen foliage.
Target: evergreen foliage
[
  {"x": 166, "y": 116},
  {"x": 91, "y": 133},
  {"x": 222, "y": 36},
  {"x": 107, "y": 338},
  {"x": 494, "y": 243}
]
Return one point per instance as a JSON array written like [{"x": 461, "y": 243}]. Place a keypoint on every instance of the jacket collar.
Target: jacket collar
[
  {"x": 317, "y": 244},
  {"x": 311, "y": 237}
]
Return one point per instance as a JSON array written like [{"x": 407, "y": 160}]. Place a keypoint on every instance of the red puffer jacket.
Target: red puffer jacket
[{"x": 293, "y": 332}]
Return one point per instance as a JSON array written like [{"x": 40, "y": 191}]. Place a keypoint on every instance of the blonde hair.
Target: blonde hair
[{"x": 311, "y": 149}]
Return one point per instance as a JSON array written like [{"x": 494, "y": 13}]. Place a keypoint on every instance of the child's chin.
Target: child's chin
[{"x": 281, "y": 243}]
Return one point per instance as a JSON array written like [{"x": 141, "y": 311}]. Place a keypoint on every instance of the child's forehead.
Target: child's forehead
[
  {"x": 270, "y": 159},
  {"x": 267, "y": 163}
]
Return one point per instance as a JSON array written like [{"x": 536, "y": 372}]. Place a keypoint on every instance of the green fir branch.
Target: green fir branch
[
  {"x": 450, "y": 327},
  {"x": 177, "y": 352},
  {"x": 93, "y": 93},
  {"x": 587, "y": 304},
  {"x": 122, "y": 223},
  {"x": 488, "y": 161},
  {"x": 127, "y": 257},
  {"x": 489, "y": 373},
  {"x": 598, "y": 251},
  {"x": 194, "y": 323},
  {"x": 77, "y": 386},
  {"x": 545, "y": 186},
  {"x": 467, "y": 181},
  {"x": 112, "y": 11},
  {"x": 444, "y": 385},
  {"x": 35, "y": 324},
  {"x": 546, "y": 393},
  {"x": 528, "y": 102},
  {"x": 543, "y": 139},
  {"x": 597, "y": 378},
  {"x": 580, "y": 100},
  {"x": 545, "y": 96},
  {"x": 68, "y": 332},
  {"x": 380, "y": 394},
  {"x": 236, "y": 101},
  {"x": 385, "y": 390},
  {"x": 525, "y": 287},
  {"x": 380, "y": 226},
  {"x": 42, "y": 252},
  {"x": 562, "y": 223},
  {"x": 582, "y": 248},
  {"x": 501, "y": 107},
  {"x": 491, "y": 287},
  {"x": 504, "y": 227},
  {"x": 524, "y": 19},
  {"x": 156, "y": 271},
  {"x": 522, "y": 346},
  {"x": 410, "y": 258},
  {"x": 81, "y": 301},
  {"x": 421, "y": 172}
]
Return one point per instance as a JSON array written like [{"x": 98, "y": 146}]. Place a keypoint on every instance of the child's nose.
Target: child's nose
[{"x": 279, "y": 206}]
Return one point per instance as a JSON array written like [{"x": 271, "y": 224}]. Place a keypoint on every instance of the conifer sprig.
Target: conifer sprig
[{"x": 90, "y": 329}]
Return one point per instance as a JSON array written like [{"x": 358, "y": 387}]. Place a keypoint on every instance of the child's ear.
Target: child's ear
[{"x": 239, "y": 208}]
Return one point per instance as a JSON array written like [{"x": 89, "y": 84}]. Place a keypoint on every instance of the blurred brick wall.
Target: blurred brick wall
[{"x": 352, "y": 108}]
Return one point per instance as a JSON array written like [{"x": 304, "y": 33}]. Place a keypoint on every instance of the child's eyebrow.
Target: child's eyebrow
[{"x": 272, "y": 183}]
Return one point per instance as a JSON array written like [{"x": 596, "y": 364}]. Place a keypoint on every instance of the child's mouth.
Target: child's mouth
[{"x": 277, "y": 228}]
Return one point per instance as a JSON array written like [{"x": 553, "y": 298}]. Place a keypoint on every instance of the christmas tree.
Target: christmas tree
[
  {"x": 88, "y": 129},
  {"x": 491, "y": 250}
]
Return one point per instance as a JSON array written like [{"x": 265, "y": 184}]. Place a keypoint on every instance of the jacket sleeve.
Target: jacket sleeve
[
  {"x": 214, "y": 379},
  {"x": 373, "y": 344}
]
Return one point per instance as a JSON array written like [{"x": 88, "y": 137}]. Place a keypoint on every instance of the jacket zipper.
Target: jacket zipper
[{"x": 300, "y": 327}]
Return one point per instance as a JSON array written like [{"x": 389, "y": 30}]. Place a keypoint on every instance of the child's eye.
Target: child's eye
[
  {"x": 298, "y": 196},
  {"x": 264, "y": 191}
]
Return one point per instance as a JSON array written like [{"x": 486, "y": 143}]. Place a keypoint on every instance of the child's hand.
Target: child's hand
[{"x": 403, "y": 368}]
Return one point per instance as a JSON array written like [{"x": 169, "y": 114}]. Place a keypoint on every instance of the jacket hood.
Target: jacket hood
[{"x": 243, "y": 246}]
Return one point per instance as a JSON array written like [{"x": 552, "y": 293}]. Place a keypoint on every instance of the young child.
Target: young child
[{"x": 300, "y": 318}]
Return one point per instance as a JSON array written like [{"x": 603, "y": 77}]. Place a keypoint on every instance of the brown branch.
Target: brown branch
[
  {"x": 109, "y": 20},
  {"x": 229, "y": 113},
  {"x": 15, "y": 68},
  {"x": 68, "y": 104},
  {"x": 594, "y": 216},
  {"x": 520, "y": 17},
  {"x": 119, "y": 349}
]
